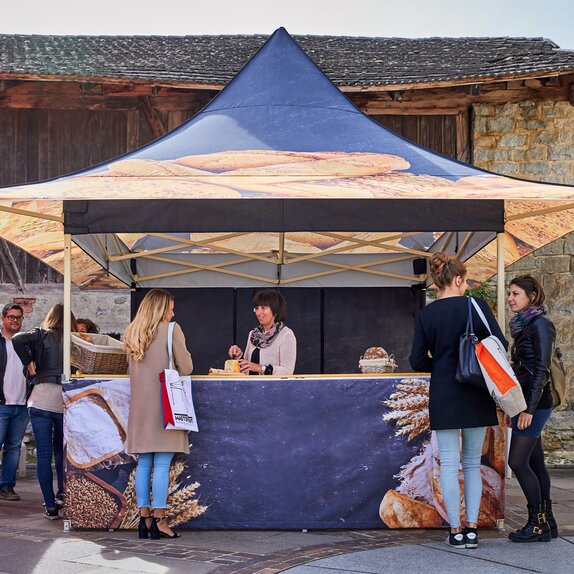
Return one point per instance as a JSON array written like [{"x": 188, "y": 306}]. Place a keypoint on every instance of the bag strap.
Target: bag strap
[
  {"x": 469, "y": 325},
  {"x": 170, "y": 328},
  {"x": 480, "y": 314}
]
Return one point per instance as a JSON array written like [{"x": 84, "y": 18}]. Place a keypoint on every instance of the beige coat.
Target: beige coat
[{"x": 145, "y": 422}]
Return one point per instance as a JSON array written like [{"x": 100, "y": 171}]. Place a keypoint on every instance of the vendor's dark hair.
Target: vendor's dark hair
[
  {"x": 445, "y": 268},
  {"x": 531, "y": 287},
  {"x": 274, "y": 300}
]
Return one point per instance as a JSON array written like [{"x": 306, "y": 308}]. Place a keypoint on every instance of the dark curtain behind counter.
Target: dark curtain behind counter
[{"x": 333, "y": 326}]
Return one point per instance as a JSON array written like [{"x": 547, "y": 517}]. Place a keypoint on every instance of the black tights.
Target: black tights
[{"x": 526, "y": 459}]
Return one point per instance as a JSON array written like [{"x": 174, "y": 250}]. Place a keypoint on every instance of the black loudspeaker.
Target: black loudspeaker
[{"x": 420, "y": 266}]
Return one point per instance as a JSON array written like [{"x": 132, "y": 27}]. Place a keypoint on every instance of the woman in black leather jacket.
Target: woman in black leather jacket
[
  {"x": 533, "y": 337},
  {"x": 41, "y": 353}
]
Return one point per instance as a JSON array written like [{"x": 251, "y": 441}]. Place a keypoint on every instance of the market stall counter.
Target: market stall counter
[{"x": 298, "y": 452}]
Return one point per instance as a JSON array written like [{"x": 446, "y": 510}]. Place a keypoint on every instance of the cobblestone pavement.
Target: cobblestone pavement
[{"x": 31, "y": 544}]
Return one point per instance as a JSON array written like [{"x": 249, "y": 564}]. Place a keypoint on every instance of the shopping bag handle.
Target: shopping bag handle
[
  {"x": 170, "y": 343},
  {"x": 480, "y": 314}
]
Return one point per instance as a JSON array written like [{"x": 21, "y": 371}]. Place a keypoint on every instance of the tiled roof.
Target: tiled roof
[{"x": 214, "y": 60}]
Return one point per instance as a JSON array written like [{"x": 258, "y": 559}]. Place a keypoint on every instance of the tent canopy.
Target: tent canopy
[{"x": 282, "y": 180}]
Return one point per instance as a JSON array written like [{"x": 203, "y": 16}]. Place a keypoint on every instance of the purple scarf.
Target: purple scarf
[{"x": 523, "y": 318}]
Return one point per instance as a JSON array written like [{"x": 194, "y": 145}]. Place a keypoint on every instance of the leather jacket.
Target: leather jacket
[
  {"x": 45, "y": 348},
  {"x": 531, "y": 358}
]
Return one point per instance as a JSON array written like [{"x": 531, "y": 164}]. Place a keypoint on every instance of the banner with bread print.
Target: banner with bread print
[{"x": 305, "y": 452}]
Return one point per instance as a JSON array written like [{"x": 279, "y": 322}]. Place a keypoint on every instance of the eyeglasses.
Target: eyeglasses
[{"x": 14, "y": 318}]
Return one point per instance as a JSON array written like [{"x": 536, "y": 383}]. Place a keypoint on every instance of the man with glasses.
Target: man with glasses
[{"x": 13, "y": 411}]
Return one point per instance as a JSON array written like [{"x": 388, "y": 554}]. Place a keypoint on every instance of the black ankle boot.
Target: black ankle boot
[
  {"x": 547, "y": 507},
  {"x": 536, "y": 528},
  {"x": 143, "y": 530}
]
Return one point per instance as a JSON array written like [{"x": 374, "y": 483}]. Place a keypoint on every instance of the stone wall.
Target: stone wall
[
  {"x": 535, "y": 141},
  {"x": 110, "y": 310},
  {"x": 528, "y": 140}
]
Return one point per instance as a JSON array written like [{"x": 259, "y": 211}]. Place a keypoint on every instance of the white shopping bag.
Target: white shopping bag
[{"x": 177, "y": 401}]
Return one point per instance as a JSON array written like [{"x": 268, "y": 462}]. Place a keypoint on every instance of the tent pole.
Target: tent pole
[
  {"x": 500, "y": 280},
  {"x": 67, "y": 303},
  {"x": 500, "y": 306}
]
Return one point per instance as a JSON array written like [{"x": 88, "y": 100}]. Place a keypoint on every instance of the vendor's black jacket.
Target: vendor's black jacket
[
  {"x": 452, "y": 405},
  {"x": 531, "y": 358},
  {"x": 45, "y": 348}
]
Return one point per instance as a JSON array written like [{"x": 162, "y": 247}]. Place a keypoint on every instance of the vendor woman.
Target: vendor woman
[{"x": 271, "y": 346}]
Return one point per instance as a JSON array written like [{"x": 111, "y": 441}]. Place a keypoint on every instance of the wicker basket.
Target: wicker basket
[
  {"x": 104, "y": 355},
  {"x": 387, "y": 365}
]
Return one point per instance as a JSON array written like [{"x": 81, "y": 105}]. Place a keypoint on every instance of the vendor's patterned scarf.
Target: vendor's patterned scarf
[
  {"x": 523, "y": 318},
  {"x": 262, "y": 339}
]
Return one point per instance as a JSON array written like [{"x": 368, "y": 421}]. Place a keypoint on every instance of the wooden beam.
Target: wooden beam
[
  {"x": 156, "y": 125},
  {"x": 35, "y": 214},
  {"x": 9, "y": 264},
  {"x": 534, "y": 213},
  {"x": 463, "y": 136}
]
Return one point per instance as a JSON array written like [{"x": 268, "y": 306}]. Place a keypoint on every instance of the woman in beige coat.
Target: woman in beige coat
[{"x": 146, "y": 346}]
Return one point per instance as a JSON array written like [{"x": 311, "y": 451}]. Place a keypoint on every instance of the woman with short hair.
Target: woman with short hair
[{"x": 271, "y": 347}]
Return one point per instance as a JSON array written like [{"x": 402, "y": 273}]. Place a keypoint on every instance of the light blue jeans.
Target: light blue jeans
[
  {"x": 450, "y": 457},
  {"x": 160, "y": 462}
]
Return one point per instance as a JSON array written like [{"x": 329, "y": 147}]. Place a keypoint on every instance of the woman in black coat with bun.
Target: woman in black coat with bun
[{"x": 455, "y": 409}]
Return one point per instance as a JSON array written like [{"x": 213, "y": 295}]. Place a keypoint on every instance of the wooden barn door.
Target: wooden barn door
[{"x": 445, "y": 134}]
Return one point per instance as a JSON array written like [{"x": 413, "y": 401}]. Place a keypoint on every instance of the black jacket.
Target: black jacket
[
  {"x": 531, "y": 358},
  {"x": 45, "y": 348},
  {"x": 452, "y": 405}
]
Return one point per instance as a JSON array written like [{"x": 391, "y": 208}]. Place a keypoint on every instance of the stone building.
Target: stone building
[{"x": 503, "y": 104}]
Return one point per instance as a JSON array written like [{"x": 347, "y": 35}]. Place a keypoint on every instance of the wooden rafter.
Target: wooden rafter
[
  {"x": 534, "y": 213},
  {"x": 378, "y": 243},
  {"x": 34, "y": 214},
  {"x": 362, "y": 267},
  {"x": 180, "y": 243},
  {"x": 10, "y": 265},
  {"x": 157, "y": 127},
  {"x": 193, "y": 267}
]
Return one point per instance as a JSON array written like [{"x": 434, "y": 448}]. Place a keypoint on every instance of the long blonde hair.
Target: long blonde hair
[{"x": 142, "y": 330}]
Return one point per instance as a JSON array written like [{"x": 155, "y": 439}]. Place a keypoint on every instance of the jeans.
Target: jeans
[
  {"x": 449, "y": 450},
  {"x": 161, "y": 461},
  {"x": 13, "y": 421},
  {"x": 48, "y": 430}
]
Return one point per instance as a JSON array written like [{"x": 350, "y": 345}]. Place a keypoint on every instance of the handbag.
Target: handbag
[
  {"x": 499, "y": 376},
  {"x": 468, "y": 369},
  {"x": 557, "y": 380},
  {"x": 176, "y": 396}
]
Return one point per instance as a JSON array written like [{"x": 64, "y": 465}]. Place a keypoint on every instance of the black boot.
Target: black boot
[
  {"x": 547, "y": 508},
  {"x": 535, "y": 530}
]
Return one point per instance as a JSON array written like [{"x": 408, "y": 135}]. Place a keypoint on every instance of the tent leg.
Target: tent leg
[
  {"x": 500, "y": 281},
  {"x": 501, "y": 316},
  {"x": 67, "y": 303}
]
